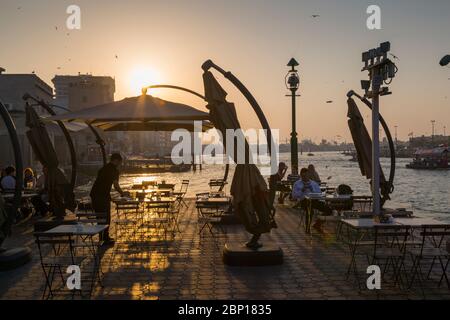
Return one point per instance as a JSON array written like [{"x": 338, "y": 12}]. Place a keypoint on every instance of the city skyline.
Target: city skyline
[{"x": 143, "y": 43}]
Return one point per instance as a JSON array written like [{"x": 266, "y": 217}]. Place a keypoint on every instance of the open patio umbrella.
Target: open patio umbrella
[
  {"x": 154, "y": 125},
  {"x": 249, "y": 189},
  {"x": 143, "y": 109},
  {"x": 363, "y": 145},
  {"x": 60, "y": 194}
]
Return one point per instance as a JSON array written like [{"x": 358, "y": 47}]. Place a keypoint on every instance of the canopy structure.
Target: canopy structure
[
  {"x": 155, "y": 125},
  {"x": 141, "y": 109},
  {"x": 249, "y": 189},
  {"x": 59, "y": 190},
  {"x": 363, "y": 145}
]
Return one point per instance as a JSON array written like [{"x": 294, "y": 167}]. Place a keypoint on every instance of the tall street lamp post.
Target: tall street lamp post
[{"x": 292, "y": 83}]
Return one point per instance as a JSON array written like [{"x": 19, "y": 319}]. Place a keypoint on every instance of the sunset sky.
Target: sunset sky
[{"x": 167, "y": 42}]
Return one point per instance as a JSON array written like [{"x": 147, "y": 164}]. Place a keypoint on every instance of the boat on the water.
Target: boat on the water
[{"x": 431, "y": 159}]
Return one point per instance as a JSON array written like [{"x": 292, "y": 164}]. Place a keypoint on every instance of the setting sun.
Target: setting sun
[{"x": 141, "y": 77}]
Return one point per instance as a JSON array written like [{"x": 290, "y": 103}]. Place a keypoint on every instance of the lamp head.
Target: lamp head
[{"x": 293, "y": 81}]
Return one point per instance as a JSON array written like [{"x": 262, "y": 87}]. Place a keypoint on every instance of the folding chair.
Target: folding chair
[
  {"x": 182, "y": 193},
  {"x": 159, "y": 217},
  {"x": 390, "y": 244},
  {"x": 217, "y": 184},
  {"x": 209, "y": 216},
  {"x": 432, "y": 248},
  {"x": 128, "y": 215},
  {"x": 362, "y": 203},
  {"x": 56, "y": 253}
]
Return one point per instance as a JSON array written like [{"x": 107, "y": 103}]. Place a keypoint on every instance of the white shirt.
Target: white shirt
[
  {"x": 8, "y": 183},
  {"x": 301, "y": 189}
]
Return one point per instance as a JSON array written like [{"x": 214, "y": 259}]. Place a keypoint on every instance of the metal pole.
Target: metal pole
[
  {"x": 376, "y": 83},
  {"x": 294, "y": 140},
  {"x": 432, "y": 129}
]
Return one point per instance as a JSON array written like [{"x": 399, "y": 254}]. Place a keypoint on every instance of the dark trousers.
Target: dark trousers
[
  {"x": 39, "y": 205},
  {"x": 103, "y": 205},
  {"x": 318, "y": 205}
]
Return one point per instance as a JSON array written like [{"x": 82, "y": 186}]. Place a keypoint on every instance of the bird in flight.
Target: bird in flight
[
  {"x": 117, "y": 57},
  {"x": 394, "y": 56},
  {"x": 315, "y": 15},
  {"x": 330, "y": 101}
]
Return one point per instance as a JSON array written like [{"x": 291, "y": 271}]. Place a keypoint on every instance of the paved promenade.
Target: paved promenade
[{"x": 190, "y": 267}]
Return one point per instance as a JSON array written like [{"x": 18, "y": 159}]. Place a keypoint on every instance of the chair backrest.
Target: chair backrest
[
  {"x": 438, "y": 235},
  {"x": 184, "y": 186},
  {"x": 217, "y": 183}
]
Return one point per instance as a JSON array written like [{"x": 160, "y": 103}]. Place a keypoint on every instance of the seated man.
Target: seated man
[
  {"x": 306, "y": 186},
  {"x": 275, "y": 184},
  {"x": 8, "y": 182}
]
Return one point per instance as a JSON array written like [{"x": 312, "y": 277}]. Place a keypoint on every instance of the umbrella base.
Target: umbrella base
[
  {"x": 236, "y": 254},
  {"x": 14, "y": 258}
]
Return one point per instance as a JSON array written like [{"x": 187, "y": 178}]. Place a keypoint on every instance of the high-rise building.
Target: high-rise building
[{"x": 83, "y": 91}]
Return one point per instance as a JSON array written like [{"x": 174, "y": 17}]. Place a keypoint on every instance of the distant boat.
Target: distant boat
[{"x": 430, "y": 159}]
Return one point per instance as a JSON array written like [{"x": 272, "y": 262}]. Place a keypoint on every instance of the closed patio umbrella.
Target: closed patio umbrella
[
  {"x": 59, "y": 191},
  {"x": 249, "y": 189},
  {"x": 362, "y": 141}
]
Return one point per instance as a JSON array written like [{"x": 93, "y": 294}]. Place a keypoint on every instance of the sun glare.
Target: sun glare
[{"x": 141, "y": 77}]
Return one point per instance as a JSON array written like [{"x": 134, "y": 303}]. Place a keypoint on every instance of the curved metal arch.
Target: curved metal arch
[
  {"x": 73, "y": 157},
  {"x": 11, "y": 127},
  {"x": 390, "y": 186},
  {"x": 168, "y": 86},
  {"x": 98, "y": 139},
  {"x": 250, "y": 98}
]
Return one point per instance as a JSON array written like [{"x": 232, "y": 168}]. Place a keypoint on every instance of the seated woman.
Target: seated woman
[
  {"x": 313, "y": 175},
  {"x": 29, "y": 180}
]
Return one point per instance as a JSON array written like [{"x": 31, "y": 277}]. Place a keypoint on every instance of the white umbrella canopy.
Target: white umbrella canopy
[{"x": 143, "y": 109}]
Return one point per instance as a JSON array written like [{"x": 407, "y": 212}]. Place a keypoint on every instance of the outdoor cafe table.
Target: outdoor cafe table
[
  {"x": 25, "y": 195},
  {"x": 86, "y": 233},
  {"x": 310, "y": 198}
]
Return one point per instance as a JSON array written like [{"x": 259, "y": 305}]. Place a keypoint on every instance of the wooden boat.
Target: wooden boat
[{"x": 430, "y": 159}]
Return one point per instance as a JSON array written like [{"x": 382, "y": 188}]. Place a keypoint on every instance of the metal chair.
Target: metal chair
[
  {"x": 56, "y": 253},
  {"x": 389, "y": 246},
  {"x": 432, "y": 248},
  {"x": 182, "y": 193}
]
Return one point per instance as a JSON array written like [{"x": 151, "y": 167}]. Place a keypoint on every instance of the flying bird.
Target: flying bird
[
  {"x": 315, "y": 15},
  {"x": 117, "y": 57},
  {"x": 330, "y": 101},
  {"x": 56, "y": 28}
]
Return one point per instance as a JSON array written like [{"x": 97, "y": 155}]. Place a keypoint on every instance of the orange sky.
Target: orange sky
[{"x": 254, "y": 39}]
